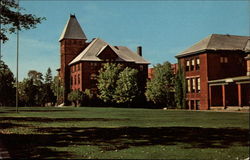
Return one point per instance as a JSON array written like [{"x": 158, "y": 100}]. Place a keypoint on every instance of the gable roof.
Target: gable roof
[
  {"x": 72, "y": 30},
  {"x": 91, "y": 52},
  {"x": 217, "y": 42}
]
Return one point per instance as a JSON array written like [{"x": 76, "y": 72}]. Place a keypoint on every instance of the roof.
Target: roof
[
  {"x": 72, "y": 30},
  {"x": 94, "y": 49},
  {"x": 217, "y": 42}
]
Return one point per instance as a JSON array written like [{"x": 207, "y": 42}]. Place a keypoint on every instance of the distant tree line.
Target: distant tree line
[{"x": 34, "y": 90}]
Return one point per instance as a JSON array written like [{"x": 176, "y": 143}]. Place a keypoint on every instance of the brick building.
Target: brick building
[
  {"x": 216, "y": 72},
  {"x": 81, "y": 60}
]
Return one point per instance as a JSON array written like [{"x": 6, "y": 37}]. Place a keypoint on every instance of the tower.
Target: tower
[{"x": 72, "y": 42}]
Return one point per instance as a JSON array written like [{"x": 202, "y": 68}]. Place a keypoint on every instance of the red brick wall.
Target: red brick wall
[
  {"x": 235, "y": 66},
  {"x": 212, "y": 68},
  {"x": 69, "y": 50},
  {"x": 76, "y": 77},
  {"x": 202, "y": 74}
]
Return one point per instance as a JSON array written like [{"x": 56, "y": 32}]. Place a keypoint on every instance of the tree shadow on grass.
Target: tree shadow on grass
[
  {"x": 47, "y": 119},
  {"x": 35, "y": 110},
  {"x": 108, "y": 139}
]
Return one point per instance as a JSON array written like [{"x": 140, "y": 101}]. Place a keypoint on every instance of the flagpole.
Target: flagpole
[
  {"x": 17, "y": 56},
  {"x": 0, "y": 38}
]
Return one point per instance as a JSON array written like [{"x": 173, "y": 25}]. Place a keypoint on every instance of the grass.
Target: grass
[{"x": 89, "y": 132}]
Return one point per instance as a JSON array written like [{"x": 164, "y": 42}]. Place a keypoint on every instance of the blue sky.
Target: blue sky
[{"x": 162, "y": 28}]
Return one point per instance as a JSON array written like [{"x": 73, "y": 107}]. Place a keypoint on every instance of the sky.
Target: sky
[{"x": 162, "y": 28}]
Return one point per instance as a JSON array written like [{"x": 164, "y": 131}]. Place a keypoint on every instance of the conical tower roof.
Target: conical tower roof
[{"x": 72, "y": 30}]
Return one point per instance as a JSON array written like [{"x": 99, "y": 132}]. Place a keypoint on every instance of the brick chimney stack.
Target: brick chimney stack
[{"x": 139, "y": 50}]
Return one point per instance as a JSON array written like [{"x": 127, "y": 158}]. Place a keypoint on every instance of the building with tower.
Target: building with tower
[{"x": 80, "y": 60}]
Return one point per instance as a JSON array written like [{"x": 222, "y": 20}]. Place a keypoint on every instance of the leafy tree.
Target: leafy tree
[
  {"x": 160, "y": 88},
  {"x": 23, "y": 97},
  {"x": 180, "y": 89},
  {"x": 127, "y": 86},
  {"x": 76, "y": 97},
  {"x": 106, "y": 81},
  {"x": 12, "y": 18},
  {"x": 34, "y": 88},
  {"x": 7, "y": 90}
]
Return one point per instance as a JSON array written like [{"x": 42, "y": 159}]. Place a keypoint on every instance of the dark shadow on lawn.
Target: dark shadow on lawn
[
  {"x": 30, "y": 110},
  {"x": 108, "y": 139},
  {"x": 46, "y": 119}
]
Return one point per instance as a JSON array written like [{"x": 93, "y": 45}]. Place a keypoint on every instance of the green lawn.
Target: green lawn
[{"x": 88, "y": 132}]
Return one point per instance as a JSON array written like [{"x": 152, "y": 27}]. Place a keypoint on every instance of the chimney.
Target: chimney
[
  {"x": 247, "y": 58},
  {"x": 139, "y": 50}
]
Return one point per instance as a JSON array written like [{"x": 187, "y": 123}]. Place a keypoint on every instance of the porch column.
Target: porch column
[
  {"x": 239, "y": 95},
  {"x": 189, "y": 104},
  {"x": 223, "y": 96},
  {"x": 210, "y": 96}
]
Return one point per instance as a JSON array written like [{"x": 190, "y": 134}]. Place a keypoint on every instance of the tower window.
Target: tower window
[
  {"x": 71, "y": 81},
  {"x": 75, "y": 80},
  {"x": 78, "y": 78}
]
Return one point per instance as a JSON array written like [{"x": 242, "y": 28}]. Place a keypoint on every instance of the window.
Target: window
[
  {"x": 187, "y": 65},
  {"x": 193, "y": 85},
  {"x": 198, "y": 85},
  {"x": 78, "y": 78},
  {"x": 192, "y": 104},
  {"x": 197, "y": 64},
  {"x": 141, "y": 67},
  {"x": 197, "y": 104},
  {"x": 71, "y": 81},
  {"x": 223, "y": 60},
  {"x": 192, "y": 64},
  {"x": 188, "y": 85},
  {"x": 75, "y": 80},
  {"x": 93, "y": 76},
  {"x": 93, "y": 80}
]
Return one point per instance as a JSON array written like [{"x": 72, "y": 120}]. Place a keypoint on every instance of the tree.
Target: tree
[
  {"x": 7, "y": 90},
  {"x": 106, "y": 81},
  {"x": 180, "y": 89},
  {"x": 48, "y": 76},
  {"x": 76, "y": 97},
  {"x": 127, "y": 86},
  {"x": 34, "y": 88},
  {"x": 161, "y": 87},
  {"x": 57, "y": 89},
  {"x": 49, "y": 96},
  {"x": 12, "y": 19}
]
